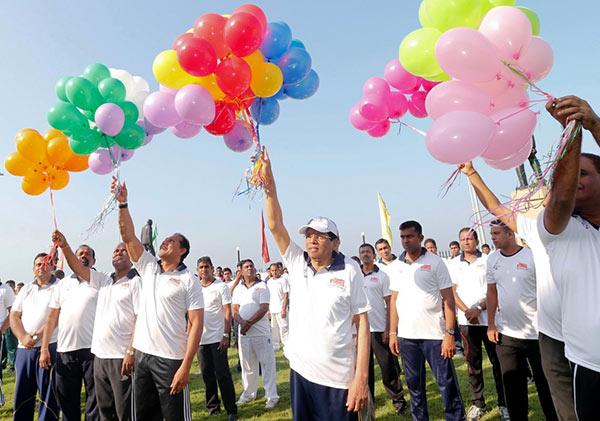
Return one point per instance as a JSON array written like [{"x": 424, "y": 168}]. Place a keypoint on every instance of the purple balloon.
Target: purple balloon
[
  {"x": 186, "y": 130},
  {"x": 100, "y": 162},
  {"x": 148, "y": 139},
  {"x": 167, "y": 90},
  {"x": 150, "y": 128},
  {"x": 121, "y": 154},
  {"x": 109, "y": 118},
  {"x": 195, "y": 105},
  {"x": 159, "y": 110},
  {"x": 239, "y": 139}
]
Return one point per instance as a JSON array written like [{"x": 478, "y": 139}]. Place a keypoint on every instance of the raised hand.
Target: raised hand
[
  {"x": 59, "y": 239},
  {"x": 119, "y": 189}
]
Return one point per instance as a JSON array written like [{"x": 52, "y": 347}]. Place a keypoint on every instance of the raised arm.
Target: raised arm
[
  {"x": 274, "y": 214},
  {"x": 83, "y": 272},
  {"x": 487, "y": 198},
  {"x": 133, "y": 244},
  {"x": 575, "y": 108}
]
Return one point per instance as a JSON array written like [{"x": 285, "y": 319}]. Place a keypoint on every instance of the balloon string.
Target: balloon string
[
  {"x": 52, "y": 257},
  {"x": 516, "y": 69},
  {"x": 419, "y": 131},
  {"x": 445, "y": 188}
]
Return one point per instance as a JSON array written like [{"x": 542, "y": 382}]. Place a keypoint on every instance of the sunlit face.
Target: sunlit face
[
  {"x": 501, "y": 237},
  {"x": 431, "y": 247},
  {"x": 227, "y": 275},
  {"x": 468, "y": 243},
  {"x": 411, "y": 240},
  {"x": 248, "y": 270},
  {"x": 367, "y": 257},
  {"x": 42, "y": 270},
  {"x": 319, "y": 245},
  {"x": 485, "y": 249},
  {"x": 205, "y": 270},
  {"x": 219, "y": 273},
  {"x": 171, "y": 247},
  {"x": 85, "y": 256},
  {"x": 273, "y": 271},
  {"x": 120, "y": 258},
  {"x": 455, "y": 250},
  {"x": 385, "y": 251},
  {"x": 588, "y": 188}
]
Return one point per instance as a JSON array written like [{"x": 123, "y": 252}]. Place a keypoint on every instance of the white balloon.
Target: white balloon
[
  {"x": 125, "y": 77},
  {"x": 138, "y": 99},
  {"x": 140, "y": 84}
]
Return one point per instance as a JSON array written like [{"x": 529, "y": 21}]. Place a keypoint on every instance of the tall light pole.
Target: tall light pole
[
  {"x": 363, "y": 237},
  {"x": 238, "y": 254}
]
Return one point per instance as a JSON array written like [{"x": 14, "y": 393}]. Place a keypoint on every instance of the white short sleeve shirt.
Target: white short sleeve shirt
[
  {"x": 377, "y": 286},
  {"x": 419, "y": 301},
  {"x": 165, "y": 299},
  {"x": 7, "y": 299},
  {"x": 515, "y": 279},
  {"x": 471, "y": 285},
  {"x": 575, "y": 262},
  {"x": 320, "y": 346},
  {"x": 77, "y": 302},
  {"x": 118, "y": 303},
  {"x": 216, "y": 295},
  {"x": 277, "y": 288},
  {"x": 249, "y": 299}
]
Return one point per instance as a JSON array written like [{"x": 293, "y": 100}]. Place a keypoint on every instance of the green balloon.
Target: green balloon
[
  {"x": 132, "y": 136},
  {"x": 112, "y": 90},
  {"x": 417, "y": 52},
  {"x": 533, "y": 18},
  {"x": 90, "y": 115},
  {"x": 84, "y": 141},
  {"x": 487, "y": 5},
  {"x": 60, "y": 88},
  {"x": 79, "y": 92},
  {"x": 66, "y": 117},
  {"x": 96, "y": 73},
  {"x": 131, "y": 112},
  {"x": 447, "y": 14},
  {"x": 107, "y": 141}
]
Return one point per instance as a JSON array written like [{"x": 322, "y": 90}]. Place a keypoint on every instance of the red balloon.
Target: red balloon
[
  {"x": 210, "y": 27},
  {"x": 254, "y": 11},
  {"x": 180, "y": 39},
  {"x": 233, "y": 76},
  {"x": 247, "y": 98},
  {"x": 197, "y": 56},
  {"x": 223, "y": 122},
  {"x": 243, "y": 34}
]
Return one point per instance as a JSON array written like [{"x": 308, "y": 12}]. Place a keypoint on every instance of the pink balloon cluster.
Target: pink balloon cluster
[
  {"x": 380, "y": 103},
  {"x": 483, "y": 111}
]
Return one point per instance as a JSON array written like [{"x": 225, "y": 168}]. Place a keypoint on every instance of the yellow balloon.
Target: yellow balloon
[
  {"x": 58, "y": 179},
  {"x": 59, "y": 152},
  {"x": 17, "y": 165},
  {"x": 190, "y": 31},
  {"x": 52, "y": 133},
  {"x": 77, "y": 163},
  {"x": 417, "y": 52},
  {"x": 226, "y": 16},
  {"x": 440, "y": 77},
  {"x": 267, "y": 82},
  {"x": 168, "y": 72},
  {"x": 210, "y": 83},
  {"x": 256, "y": 61},
  {"x": 31, "y": 145},
  {"x": 34, "y": 183}
]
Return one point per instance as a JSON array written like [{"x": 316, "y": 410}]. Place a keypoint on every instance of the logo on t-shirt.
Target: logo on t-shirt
[
  {"x": 374, "y": 279},
  {"x": 521, "y": 265},
  {"x": 337, "y": 281},
  {"x": 175, "y": 281},
  {"x": 426, "y": 267},
  {"x": 126, "y": 284}
]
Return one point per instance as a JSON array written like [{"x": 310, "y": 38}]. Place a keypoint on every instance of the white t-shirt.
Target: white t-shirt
[
  {"x": 377, "y": 285},
  {"x": 249, "y": 300},
  {"x": 514, "y": 277},
  {"x": 216, "y": 295},
  {"x": 548, "y": 299},
  {"x": 419, "y": 301},
  {"x": 117, "y": 308},
  {"x": 77, "y": 303},
  {"x": 32, "y": 301},
  {"x": 166, "y": 297},
  {"x": 320, "y": 346},
  {"x": 277, "y": 288},
  {"x": 7, "y": 299},
  {"x": 575, "y": 261},
  {"x": 471, "y": 287}
]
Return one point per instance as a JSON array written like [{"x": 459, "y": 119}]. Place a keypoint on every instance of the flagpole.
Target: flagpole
[{"x": 477, "y": 213}]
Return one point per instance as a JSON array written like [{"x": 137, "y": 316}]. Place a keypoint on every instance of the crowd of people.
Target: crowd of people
[{"x": 130, "y": 335}]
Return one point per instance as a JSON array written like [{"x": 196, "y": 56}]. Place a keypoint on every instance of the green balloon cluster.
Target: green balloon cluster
[{"x": 80, "y": 97}]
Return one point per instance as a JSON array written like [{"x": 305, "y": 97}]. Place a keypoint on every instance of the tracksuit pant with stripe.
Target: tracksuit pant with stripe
[
  {"x": 73, "y": 368},
  {"x": 586, "y": 387},
  {"x": 113, "y": 391}
]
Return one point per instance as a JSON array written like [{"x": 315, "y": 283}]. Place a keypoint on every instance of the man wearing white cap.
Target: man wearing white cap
[{"x": 328, "y": 372}]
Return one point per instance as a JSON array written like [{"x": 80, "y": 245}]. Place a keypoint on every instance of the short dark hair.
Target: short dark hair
[
  {"x": 469, "y": 230},
  {"x": 279, "y": 265},
  {"x": 183, "y": 243},
  {"x": 227, "y": 270},
  {"x": 356, "y": 259},
  {"x": 92, "y": 250},
  {"x": 594, "y": 158},
  {"x": 273, "y": 264},
  {"x": 382, "y": 241},
  {"x": 454, "y": 243},
  {"x": 367, "y": 245},
  {"x": 42, "y": 254},
  {"x": 204, "y": 259},
  {"x": 486, "y": 245},
  {"x": 499, "y": 223},
  {"x": 20, "y": 284},
  {"x": 431, "y": 240},
  {"x": 411, "y": 224},
  {"x": 246, "y": 261},
  {"x": 11, "y": 282}
]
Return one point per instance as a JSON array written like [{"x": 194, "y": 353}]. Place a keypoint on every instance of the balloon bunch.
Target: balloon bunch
[
  {"x": 44, "y": 161},
  {"x": 381, "y": 105}
]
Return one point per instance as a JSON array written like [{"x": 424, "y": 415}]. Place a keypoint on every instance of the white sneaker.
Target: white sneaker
[
  {"x": 475, "y": 413},
  {"x": 244, "y": 399},
  {"x": 504, "y": 413},
  {"x": 271, "y": 403}
]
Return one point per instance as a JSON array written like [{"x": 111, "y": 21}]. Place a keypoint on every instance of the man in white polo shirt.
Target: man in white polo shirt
[
  {"x": 116, "y": 312},
  {"x": 385, "y": 253},
  {"x": 7, "y": 298},
  {"x": 27, "y": 319},
  {"x": 511, "y": 291},
  {"x": 279, "y": 289},
  {"x": 165, "y": 342},
  {"x": 328, "y": 370},
  {"x": 250, "y": 303},
  {"x": 212, "y": 352},
  {"x": 418, "y": 330},
  {"x": 377, "y": 285},
  {"x": 469, "y": 285},
  {"x": 73, "y": 309},
  {"x": 568, "y": 228}
]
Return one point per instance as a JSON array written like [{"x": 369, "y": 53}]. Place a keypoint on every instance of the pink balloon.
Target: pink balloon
[
  {"x": 380, "y": 130},
  {"x": 416, "y": 104},
  {"x": 195, "y": 105},
  {"x": 428, "y": 85},
  {"x": 459, "y": 136},
  {"x": 515, "y": 128},
  {"x": 537, "y": 59},
  {"x": 455, "y": 95},
  {"x": 239, "y": 139},
  {"x": 109, "y": 118},
  {"x": 513, "y": 161},
  {"x": 121, "y": 154},
  {"x": 100, "y": 162},
  {"x": 467, "y": 55},
  {"x": 148, "y": 139},
  {"x": 511, "y": 98},
  {"x": 185, "y": 130},
  {"x": 159, "y": 110},
  {"x": 398, "y": 105},
  {"x": 508, "y": 29},
  {"x": 400, "y": 78},
  {"x": 374, "y": 108},
  {"x": 164, "y": 89},
  {"x": 358, "y": 121},
  {"x": 377, "y": 88}
]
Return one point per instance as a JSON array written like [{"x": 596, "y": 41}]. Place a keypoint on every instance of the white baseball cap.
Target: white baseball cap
[{"x": 320, "y": 224}]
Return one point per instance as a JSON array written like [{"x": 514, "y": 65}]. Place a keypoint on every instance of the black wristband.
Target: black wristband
[{"x": 122, "y": 205}]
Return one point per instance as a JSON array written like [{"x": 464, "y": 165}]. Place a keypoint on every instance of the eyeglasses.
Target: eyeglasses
[{"x": 318, "y": 235}]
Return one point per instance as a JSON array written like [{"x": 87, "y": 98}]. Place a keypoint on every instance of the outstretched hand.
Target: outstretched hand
[
  {"x": 267, "y": 171},
  {"x": 59, "y": 239},
  {"x": 466, "y": 168},
  {"x": 570, "y": 108},
  {"x": 119, "y": 189}
]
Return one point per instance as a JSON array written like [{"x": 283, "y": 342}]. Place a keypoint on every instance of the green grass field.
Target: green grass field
[{"x": 384, "y": 409}]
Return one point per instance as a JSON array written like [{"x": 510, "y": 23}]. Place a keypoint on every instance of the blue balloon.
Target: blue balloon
[
  {"x": 265, "y": 110},
  {"x": 297, "y": 43},
  {"x": 277, "y": 39},
  {"x": 304, "y": 89},
  {"x": 280, "y": 94},
  {"x": 295, "y": 65}
]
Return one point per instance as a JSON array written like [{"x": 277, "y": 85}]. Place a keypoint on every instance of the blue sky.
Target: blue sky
[{"x": 323, "y": 166}]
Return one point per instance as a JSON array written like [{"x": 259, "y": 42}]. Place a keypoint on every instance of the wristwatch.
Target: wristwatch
[
  {"x": 35, "y": 338},
  {"x": 130, "y": 352},
  {"x": 478, "y": 307},
  {"x": 225, "y": 335},
  {"x": 450, "y": 331}
]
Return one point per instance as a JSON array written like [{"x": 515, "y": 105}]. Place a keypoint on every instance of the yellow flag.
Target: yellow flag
[{"x": 384, "y": 218}]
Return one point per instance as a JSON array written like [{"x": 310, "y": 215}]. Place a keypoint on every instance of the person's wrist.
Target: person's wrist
[
  {"x": 122, "y": 205},
  {"x": 472, "y": 173}
]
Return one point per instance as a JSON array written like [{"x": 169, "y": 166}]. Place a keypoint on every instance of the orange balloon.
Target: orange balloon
[
  {"x": 58, "y": 151},
  {"x": 31, "y": 145},
  {"x": 256, "y": 61},
  {"x": 58, "y": 179},
  {"x": 17, "y": 165},
  {"x": 210, "y": 83},
  {"x": 34, "y": 183},
  {"x": 77, "y": 163},
  {"x": 267, "y": 82},
  {"x": 52, "y": 133}
]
